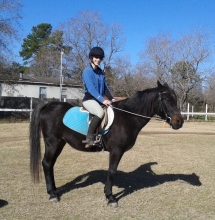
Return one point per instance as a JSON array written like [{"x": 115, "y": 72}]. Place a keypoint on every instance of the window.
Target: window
[
  {"x": 63, "y": 95},
  {"x": 42, "y": 94}
]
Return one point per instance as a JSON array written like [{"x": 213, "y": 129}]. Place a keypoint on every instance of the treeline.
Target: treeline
[{"x": 185, "y": 63}]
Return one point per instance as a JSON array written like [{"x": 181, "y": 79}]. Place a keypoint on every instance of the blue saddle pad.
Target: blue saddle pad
[{"x": 76, "y": 120}]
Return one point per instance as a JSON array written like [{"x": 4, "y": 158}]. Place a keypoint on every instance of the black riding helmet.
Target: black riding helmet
[{"x": 97, "y": 52}]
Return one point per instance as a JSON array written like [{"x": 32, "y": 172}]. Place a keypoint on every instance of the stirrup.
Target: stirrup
[
  {"x": 97, "y": 142},
  {"x": 98, "y": 139}
]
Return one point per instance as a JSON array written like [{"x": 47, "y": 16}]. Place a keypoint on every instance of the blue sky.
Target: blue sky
[{"x": 140, "y": 19}]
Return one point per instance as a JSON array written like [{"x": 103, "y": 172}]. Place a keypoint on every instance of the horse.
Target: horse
[{"x": 130, "y": 116}]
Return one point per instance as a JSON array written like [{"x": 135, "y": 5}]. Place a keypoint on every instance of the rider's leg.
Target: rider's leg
[{"x": 95, "y": 109}]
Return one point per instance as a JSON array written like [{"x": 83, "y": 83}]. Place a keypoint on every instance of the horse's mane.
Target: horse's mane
[{"x": 141, "y": 98}]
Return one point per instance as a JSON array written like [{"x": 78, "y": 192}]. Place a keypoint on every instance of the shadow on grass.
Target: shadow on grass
[
  {"x": 138, "y": 179},
  {"x": 3, "y": 203}
]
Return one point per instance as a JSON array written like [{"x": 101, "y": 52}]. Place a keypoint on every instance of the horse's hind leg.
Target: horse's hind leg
[{"x": 53, "y": 148}]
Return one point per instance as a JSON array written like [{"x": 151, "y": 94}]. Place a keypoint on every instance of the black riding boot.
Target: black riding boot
[{"x": 95, "y": 122}]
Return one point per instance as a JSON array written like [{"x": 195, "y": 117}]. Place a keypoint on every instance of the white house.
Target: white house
[{"x": 41, "y": 87}]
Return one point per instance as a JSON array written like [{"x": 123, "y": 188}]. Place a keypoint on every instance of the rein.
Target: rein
[
  {"x": 131, "y": 112},
  {"x": 159, "y": 99}
]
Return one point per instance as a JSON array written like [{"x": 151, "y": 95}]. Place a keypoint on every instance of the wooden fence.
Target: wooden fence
[
  {"x": 18, "y": 108},
  {"x": 192, "y": 113}
]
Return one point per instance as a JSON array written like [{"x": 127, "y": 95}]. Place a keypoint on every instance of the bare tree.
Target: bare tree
[
  {"x": 46, "y": 63},
  {"x": 10, "y": 14},
  {"x": 9, "y": 22},
  {"x": 85, "y": 31},
  {"x": 120, "y": 77},
  {"x": 125, "y": 79},
  {"x": 179, "y": 62},
  {"x": 185, "y": 79},
  {"x": 209, "y": 92},
  {"x": 158, "y": 57}
]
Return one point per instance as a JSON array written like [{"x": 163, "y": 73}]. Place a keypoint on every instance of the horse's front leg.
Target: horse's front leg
[
  {"x": 114, "y": 159},
  {"x": 53, "y": 148}
]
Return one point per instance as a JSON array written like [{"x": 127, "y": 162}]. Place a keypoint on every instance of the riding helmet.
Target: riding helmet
[{"x": 97, "y": 52}]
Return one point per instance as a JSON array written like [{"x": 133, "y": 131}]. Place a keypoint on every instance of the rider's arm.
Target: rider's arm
[{"x": 88, "y": 80}]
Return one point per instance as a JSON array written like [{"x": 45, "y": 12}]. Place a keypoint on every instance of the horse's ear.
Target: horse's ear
[
  {"x": 165, "y": 84},
  {"x": 160, "y": 86}
]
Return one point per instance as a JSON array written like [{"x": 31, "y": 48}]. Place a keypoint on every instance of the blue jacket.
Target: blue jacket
[{"x": 95, "y": 85}]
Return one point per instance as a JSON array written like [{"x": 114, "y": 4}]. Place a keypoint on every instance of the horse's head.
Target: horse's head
[{"x": 167, "y": 106}]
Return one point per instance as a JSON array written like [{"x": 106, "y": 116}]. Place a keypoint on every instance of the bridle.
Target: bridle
[{"x": 160, "y": 107}]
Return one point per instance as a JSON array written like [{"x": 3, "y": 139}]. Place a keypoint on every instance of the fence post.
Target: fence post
[
  {"x": 206, "y": 111},
  {"x": 192, "y": 110},
  {"x": 31, "y": 101},
  {"x": 188, "y": 107}
]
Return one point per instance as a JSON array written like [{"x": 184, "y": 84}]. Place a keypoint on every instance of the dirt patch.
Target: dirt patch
[
  {"x": 167, "y": 175},
  {"x": 12, "y": 139},
  {"x": 177, "y": 133}
]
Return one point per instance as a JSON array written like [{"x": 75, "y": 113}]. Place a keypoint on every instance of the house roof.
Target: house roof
[{"x": 28, "y": 79}]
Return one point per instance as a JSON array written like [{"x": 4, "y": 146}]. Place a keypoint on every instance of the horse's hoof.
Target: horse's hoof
[
  {"x": 54, "y": 199},
  {"x": 113, "y": 204}
]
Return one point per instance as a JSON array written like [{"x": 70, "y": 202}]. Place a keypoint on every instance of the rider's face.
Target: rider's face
[{"x": 97, "y": 60}]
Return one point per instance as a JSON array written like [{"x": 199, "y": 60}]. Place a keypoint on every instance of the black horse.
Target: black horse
[{"x": 131, "y": 115}]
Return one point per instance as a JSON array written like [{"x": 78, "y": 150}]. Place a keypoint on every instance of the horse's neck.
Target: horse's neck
[{"x": 142, "y": 103}]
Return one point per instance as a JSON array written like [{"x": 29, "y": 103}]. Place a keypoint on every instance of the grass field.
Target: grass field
[{"x": 167, "y": 175}]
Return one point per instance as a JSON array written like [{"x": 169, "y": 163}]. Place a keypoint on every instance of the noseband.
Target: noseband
[{"x": 161, "y": 106}]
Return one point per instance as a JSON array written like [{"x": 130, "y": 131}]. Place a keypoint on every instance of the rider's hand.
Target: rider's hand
[{"x": 107, "y": 102}]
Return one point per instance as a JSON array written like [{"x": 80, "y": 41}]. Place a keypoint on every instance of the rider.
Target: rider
[{"x": 95, "y": 87}]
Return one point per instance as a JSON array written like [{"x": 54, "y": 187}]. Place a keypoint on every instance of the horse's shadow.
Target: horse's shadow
[
  {"x": 3, "y": 203},
  {"x": 140, "y": 178}
]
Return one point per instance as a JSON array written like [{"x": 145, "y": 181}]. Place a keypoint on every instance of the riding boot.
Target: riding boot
[{"x": 95, "y": 122}]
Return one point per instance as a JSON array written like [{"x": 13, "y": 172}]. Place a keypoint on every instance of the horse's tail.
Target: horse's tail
[{"x": 34, "y": 138}]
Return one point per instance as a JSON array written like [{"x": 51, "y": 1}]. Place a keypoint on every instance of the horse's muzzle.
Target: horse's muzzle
[{"x": 176, "y": 121}]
